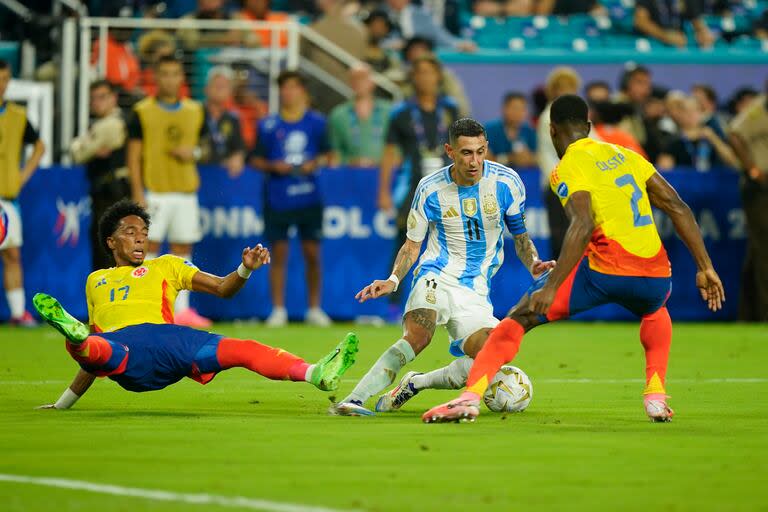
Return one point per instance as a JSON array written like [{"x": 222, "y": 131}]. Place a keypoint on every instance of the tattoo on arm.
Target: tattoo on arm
[
  {"x": 525, "y": 250},
  {"x": 425, "y": 318},
  {"x": 403, "y": 262}
]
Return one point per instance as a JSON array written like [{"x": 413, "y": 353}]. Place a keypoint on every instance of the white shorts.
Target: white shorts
[
  {"x": 175, "y": 217},
  {"x": 461, "y": 310},
  {"x": 14, "y": 237}
]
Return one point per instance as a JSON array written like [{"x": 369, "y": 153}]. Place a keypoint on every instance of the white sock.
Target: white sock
[
  {"x": 383, "y": 372},
  {"x": 308, "y": 374},
  {"x": 453, "y": 376},
  {"x": 16, "y": 302}
]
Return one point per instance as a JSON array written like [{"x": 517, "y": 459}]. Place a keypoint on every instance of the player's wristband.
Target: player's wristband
[
  {"x": 66, "y": 400},
  {"x": 395, "y": 280},
  {"x": 244, "y": 272}
]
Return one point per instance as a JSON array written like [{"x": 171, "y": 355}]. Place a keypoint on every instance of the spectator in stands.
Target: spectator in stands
[
  {"x": 417, "y": 130},
  {"x": 511, "y": 139},
  {"x": 569, "y": 7},
  {"x": 193, "y": 38},
  {"x": 164, "y": 136},
  {"x": 451, "y": 85},
  {"x": 663, "y": 20},
  {"x": 561, "y": 80},
  {"x": 224, "y": 141},
  {"x": 247, "y": 103},
  {"x": 749, "y": 136},
  {"x": 761, "y": 26},
  {"x": 382, "y": 60},
  {"x": 356, "y": 128},
  {"x": 16, "y": 133},
  {"x": 740, "y": 100},
  {"x": 636, "y": 88},
  {"x": 291, "y": 147},
  {"x": 502, "y": 8},
  {"x": 707, "y": 98},
  {"x": 597, "y": 91},
  {"x": 122, "y": 65},
  {"x": 695, "y": 145},
  {"x": 259, "y": 10},
  {"x": 413, "y": 20},
  {"x": 154, "y": 46},
  {"x": 606, "y": 117},
  {"x": 102, "y": 150}
]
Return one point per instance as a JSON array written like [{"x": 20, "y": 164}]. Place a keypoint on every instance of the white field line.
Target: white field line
[{"x": 158, "y": 495}]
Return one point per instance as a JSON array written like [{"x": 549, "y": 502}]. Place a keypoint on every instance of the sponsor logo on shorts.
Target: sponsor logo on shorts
[{"x": 140, "y": 272}]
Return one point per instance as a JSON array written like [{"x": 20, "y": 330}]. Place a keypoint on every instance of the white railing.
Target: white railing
[{"x": 266, "y": 61}]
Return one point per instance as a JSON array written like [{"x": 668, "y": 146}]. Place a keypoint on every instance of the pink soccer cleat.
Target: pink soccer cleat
[
  {"x": 461, "y": 409},
  {"x": 657, "y": 409},
  {"x": 191, "y": 318}
]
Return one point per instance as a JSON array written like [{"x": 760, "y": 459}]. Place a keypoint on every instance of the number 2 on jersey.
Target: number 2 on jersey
[
  {"x": 124, "y": 289},
  {"x": 637, "y": 195}
]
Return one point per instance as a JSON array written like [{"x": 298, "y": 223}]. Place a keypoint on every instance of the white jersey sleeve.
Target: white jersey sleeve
[
  {"x": 417, "y": 217},
  {"x": 514, "y": 200}
]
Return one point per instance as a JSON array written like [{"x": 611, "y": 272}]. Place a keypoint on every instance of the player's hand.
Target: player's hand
[
  {"x": 541, "y": 300},
  {"x": 46, "y": 406},
  {"x": 281, "y": 168},
  {"x": 184, "y": 153},
  {"x": 711, "y": 288},
  {"x": 538, "y": 267},
  {"x": 378, "y": 288},
  {"x": 385, "y": 201},
  {"x": 705, "y": 38},
  {"x": 256, "y": 257},
  {"x": 676, "y": 38}
]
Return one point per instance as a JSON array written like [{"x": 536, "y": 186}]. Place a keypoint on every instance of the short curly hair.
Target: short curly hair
[{"x": 111, "y": 218}]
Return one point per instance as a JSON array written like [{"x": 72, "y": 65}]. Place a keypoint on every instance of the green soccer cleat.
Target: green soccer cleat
[
  {"x": 58, "y": 318},
  {"x": 328, "y": 371}
]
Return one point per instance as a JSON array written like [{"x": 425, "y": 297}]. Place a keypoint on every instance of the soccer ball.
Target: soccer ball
[
  {"x": 510, "y": 391},
  {"x": 3, "y": 225}
]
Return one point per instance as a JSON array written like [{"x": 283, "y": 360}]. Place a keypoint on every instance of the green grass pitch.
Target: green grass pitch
[{"x": 583, "y": 444}]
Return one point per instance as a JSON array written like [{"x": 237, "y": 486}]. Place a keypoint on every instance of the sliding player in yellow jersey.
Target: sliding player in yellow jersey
[
  {"x": 132, "y": 339},
  {"x": 612, "y": 253}
]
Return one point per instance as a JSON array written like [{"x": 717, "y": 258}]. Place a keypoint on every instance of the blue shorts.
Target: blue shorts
[
  {"x": 585, "y": 289},
  {"x": 161, "y": 354}
]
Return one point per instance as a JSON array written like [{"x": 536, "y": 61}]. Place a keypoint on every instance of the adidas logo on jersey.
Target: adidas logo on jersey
[{"x": 450, "y": 213}]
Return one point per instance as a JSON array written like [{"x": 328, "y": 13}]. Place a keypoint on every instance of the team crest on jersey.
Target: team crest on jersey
[
  {"x": 562, "y": 190},
  {"x": 490, "y": 206},
  {"x": 469, "y": 206},
  {"x": 139, "y": 272}
]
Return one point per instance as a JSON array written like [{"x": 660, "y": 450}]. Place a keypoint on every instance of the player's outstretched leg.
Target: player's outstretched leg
[
  {"x": 395, "y": 399},
  {"x": 277, "y": 364},
  {"x": 57, "y": 317},
  {"x": 656, "y": 337},
  {"x": 452, "y": 376}
]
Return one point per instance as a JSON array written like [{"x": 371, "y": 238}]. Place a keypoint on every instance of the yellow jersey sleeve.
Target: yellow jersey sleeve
[
  {"x": 568, "y": 177},
  {"x": 178, "y": 271},
  {"x": 89, "y": 299},
  {"x": 642, "y": 168}
]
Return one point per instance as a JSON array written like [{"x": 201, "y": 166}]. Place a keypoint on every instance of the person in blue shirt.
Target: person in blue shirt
[
  {"x": 291, "y": 147},
  {"x": 511, "y": 140}
]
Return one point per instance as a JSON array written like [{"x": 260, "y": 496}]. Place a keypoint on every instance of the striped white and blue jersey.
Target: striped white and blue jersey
[{"x": 465, "y": 225}]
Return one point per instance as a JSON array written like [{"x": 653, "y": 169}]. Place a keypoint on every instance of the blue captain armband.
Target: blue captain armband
[{"x": 515, "y": 223}]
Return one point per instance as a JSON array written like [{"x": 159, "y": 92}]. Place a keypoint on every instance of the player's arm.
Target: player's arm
[
  {"x": 580, "y": 227},
  {"x": 31, "y": 137},
  {"x": 72, "y": 394},
  {"x": 406, "y": 257},
  {"x": 529, "y": 256},
  {"x": 664, "y": 197},
  {"x": 741, "y": 148},
  {"x": 229, "y": 285}
]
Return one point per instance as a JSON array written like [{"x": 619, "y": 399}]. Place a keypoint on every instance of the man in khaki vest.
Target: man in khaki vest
[
  {"x": 164, "y": 134},
  {"x": 15, "y": 133}
]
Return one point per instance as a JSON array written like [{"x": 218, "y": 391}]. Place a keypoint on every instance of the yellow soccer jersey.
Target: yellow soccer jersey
[
  {"x": 122, "y": 296},
  {"x": 625, "y": 241}
]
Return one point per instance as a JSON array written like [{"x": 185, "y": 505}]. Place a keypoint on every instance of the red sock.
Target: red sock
[
  {"x": 500, "y": 348},
  {"x": 273, "y": 363},
  {"x": 656, "y": 337},
  {"x": 94, "y": 351}
]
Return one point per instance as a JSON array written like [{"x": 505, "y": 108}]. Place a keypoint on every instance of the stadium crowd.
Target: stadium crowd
[{"x": 692, "y": 129}]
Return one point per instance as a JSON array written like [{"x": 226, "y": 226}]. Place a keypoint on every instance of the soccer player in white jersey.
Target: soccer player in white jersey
[{"x": 462, "y": 210}]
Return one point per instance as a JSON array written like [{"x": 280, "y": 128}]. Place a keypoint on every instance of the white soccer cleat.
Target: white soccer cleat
[
  {"x": 395, "y": 399},
  {"x": 349, "y": 409},
  {"x": 278, "y": 318},
  {"x": 318, "y": 318},
  {"x": 657, "y": 410}
]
